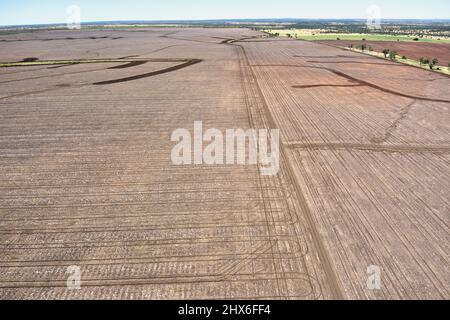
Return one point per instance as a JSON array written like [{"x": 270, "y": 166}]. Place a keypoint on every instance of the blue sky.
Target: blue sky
[{"x": 14, "y": 12}]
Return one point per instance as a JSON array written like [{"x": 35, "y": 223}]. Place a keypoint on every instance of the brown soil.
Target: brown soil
[
  {"x": 86, "y": 177},
  {"x": 412, "y": 50},
  {"x": 151, "y": 74}
]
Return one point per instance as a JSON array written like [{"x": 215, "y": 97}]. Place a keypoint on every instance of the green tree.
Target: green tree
[
  {"x": 432, "y": 63},
  {"x": 393, "y": 55},
  {"x": 33, "y": 59},
  {"x": 385, "y": 52}
]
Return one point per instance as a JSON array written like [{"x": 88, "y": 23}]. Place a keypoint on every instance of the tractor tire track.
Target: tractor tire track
[
  {"x": 151, "y": 74},
  {"x": 332, "y": 279}
]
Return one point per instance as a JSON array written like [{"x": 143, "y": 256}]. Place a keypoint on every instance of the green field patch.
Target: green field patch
[{"x": 301, "y": 35}]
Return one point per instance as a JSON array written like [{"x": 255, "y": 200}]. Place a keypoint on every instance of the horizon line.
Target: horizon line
[{"x": 224, "y": 19}]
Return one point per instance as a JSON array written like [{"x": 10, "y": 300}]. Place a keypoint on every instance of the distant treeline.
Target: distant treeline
[
  {"x": 406, "y": 27},
  {"x": 397, "y": 27}
]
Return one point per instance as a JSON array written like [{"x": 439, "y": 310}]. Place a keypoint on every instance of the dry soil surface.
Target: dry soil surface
[{"x": 86, "y": 177}]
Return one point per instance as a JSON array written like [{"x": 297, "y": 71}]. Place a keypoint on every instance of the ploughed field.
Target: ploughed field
[
  {"x": 86, "y": 177},
  {"x": 412, "y": 50}
]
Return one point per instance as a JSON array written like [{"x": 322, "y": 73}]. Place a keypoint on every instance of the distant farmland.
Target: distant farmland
[
  {"x": 317, "y": 35},
  {"x": 412, "y": 50},
  {"x": 87, "y": 180}
]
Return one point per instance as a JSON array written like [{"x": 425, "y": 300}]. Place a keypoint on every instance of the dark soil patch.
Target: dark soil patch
[
  {"x": 151, "y": 74},
  {"x": 129, "y": 65},
  {"x": 327, "y": 85},
  {"x": 32, "y": 59},
  {"x": 333, "y": 57},
  {"x": 355, "y": 62},
  {"x": 412, "y": 50},
  {"x": 365, "y": 83}
]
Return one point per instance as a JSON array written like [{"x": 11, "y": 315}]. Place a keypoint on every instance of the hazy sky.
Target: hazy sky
[{"x": 54, "y": 11}]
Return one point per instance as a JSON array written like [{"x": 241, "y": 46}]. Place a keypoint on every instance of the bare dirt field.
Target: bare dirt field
[
  {"x": 86, "y": 177},
  {"x": 412, "y": 50}
]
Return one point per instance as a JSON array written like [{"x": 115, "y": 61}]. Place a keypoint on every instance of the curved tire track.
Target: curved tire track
[
  {"x": 151, "y": 74},
  {"x": 331, "y": 276}
]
